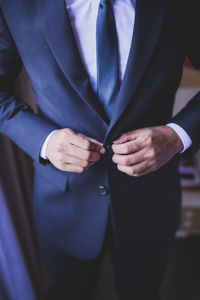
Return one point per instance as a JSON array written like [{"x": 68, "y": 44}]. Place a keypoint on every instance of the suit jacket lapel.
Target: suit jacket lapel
[
  {"x": 59, "y": 35},
  {"x": 148, "y": 24}
]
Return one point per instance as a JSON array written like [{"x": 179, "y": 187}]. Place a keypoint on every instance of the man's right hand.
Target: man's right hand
[{"x": 70, "y": 151}]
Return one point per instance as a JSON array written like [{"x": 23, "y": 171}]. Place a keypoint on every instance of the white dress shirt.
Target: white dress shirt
[{"x": 83, "y": 17}]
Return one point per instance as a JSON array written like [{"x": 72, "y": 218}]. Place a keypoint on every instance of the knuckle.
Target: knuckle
[
  {"x": 88, "y": 156},
  {"x": 114, "y": 158},
  {"x": 152, "y": 161},
  {"x": 117, "y": 159},
  {"x": 136, "y": 175},
  {"x": 126, "y": 148},
  {"x": 153, "y": 153},
  {"x": 147, "y": 155},
  {"x": 68, "y": 130},
  {"x": 59, "y": 149},
  {"x": 60, "y": 157},
  {"x": 81, "y": 170},
  {"x": 135, "y": 171},
  {"x": 147, "y": 165},
  {"x": 150, "y": 139},
  {"x": 118, "y": 167},
  {"x": 154, "y": 168},
  {"x": 126, "y": 161},
  {"x": 136, "y": 147},
  {"x": 132, "y": 172},
  {"x": 60, "y": 143},
  {"x": 61, "y": 166},
  {"x": 63, "y": 136},
  {"x": 125, "y": 135},
  {"x": 85, "y": 164},
  {"x": 86, "y": 144},
  {"x": 78, "y": 170}
]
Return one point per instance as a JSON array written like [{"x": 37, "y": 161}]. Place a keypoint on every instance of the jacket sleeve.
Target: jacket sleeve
[
  {"x": 189, "y": 117},
  {"x": 17, "y": 119}
]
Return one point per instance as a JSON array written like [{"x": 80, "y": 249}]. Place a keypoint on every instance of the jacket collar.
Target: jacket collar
[{"x": 59, "y": 35}]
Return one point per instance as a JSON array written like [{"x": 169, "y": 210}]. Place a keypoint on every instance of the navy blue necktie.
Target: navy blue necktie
[{"x": 108, "y": 81}]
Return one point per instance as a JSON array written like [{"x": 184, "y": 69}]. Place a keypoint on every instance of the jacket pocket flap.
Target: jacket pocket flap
[{"x": 56, "y": 177}]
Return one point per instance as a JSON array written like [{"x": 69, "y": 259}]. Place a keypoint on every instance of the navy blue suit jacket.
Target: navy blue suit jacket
[{"x": 70, "y": 210}]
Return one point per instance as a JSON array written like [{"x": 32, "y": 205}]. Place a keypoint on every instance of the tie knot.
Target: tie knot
[{"x": 104, "y": 1}]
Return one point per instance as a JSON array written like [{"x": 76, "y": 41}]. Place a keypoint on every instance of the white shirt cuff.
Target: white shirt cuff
[
  {"x": 185, "y": 138},
  {"x": 44, "y": 146}
]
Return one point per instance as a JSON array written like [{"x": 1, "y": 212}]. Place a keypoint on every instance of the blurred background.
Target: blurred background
[{"x": 20, "y": 259}]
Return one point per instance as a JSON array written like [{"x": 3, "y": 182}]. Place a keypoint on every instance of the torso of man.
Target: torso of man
[{"x": 41, "y": 36}]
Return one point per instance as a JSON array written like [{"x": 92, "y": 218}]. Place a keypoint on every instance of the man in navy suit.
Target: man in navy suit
[{"x": 105, "y": 145}]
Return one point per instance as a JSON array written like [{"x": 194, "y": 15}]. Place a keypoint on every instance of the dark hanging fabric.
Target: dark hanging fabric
[
  {"x": 16, "y": 177},
  {"x": 15, "y": 281}
]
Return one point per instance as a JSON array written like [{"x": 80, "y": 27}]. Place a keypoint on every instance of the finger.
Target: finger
[
  {"x": 70, "y": 159},
  {"x": 126, "y": 137},
  {"x": 80, "y": 153},
  {"x": 90, "y": 139},
  {"x": 136, "y": 170},
  {"x": 71, "y": 168},
  {"x": 130, "y": 159},
  {"x": 94, "y": 141},
  {"x": 82, "y": 142},
  {"x": 128, "y": 147},
  {"x": 145, "y": 172},
  {"x": 102, "y": 149}
]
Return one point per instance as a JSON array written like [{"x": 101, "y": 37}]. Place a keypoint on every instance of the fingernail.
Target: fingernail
[{"x": 102, "y": 151}]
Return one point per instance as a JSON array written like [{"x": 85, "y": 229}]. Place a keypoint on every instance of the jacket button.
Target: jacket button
[
  {"x": 103, "y": 191},
  {"x": 108, "y": 147}
]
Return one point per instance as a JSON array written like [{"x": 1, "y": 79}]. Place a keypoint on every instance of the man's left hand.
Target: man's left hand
[{"x": 143, "y": 151}]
